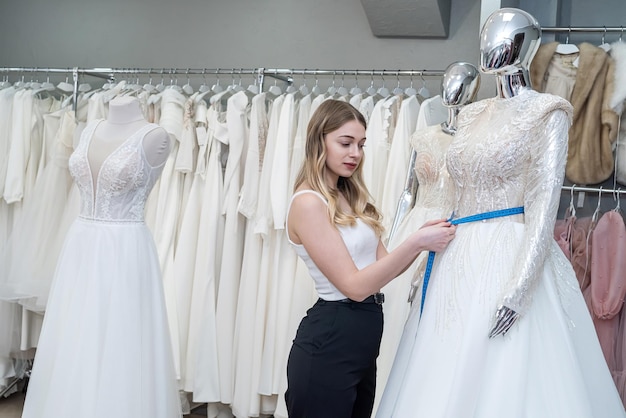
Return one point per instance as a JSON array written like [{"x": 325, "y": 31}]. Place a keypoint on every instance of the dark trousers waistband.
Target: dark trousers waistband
[{"x": 377, "y": 298}]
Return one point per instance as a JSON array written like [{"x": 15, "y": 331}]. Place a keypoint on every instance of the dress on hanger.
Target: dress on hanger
[
  {"x": 506, "y": 153},
  {"x": 104, "y": 350},
  {"x": 608, "y": 286}
]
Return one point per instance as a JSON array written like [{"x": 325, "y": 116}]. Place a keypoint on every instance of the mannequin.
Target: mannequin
[
  {"x": 508, "y": 42},
  {"x": 460, "y": 83},
  {"x": 433, "y": 200},
  {"x": 105, "y": 349},
  {"x": 124, "y": 119},
  {"x": 504, "y": 329}
]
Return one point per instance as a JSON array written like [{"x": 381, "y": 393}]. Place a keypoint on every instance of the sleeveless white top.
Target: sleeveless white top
[{"x": 361, "y": 241}]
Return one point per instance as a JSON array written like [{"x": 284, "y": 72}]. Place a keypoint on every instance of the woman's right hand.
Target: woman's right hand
[{"x": 435, "y": 235}]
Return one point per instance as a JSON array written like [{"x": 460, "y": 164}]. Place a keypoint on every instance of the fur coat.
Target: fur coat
[{"x": 594, "y": 128}]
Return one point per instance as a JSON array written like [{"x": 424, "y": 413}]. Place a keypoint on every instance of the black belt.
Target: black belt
[{"x": 377, "y": 298}]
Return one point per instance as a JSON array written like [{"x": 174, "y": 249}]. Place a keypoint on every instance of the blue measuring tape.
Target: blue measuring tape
[{"x": 473, "y": 218}]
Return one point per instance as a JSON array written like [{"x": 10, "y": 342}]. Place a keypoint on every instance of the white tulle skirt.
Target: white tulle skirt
[
  {"x": 105, "y": 350},
  {"x": 549, "y": 364}
]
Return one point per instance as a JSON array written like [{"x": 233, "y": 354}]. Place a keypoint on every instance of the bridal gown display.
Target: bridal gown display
[
  {"x": 434, "y": 200},
  {"x": 506, "y": 153},
  {"x": 104, "y": 350}
]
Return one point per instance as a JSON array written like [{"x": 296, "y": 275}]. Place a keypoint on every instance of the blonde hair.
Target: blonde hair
[{"x": 330, "y": 116}]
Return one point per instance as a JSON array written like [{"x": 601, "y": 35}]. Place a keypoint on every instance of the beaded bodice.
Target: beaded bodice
[{"x": 120, "y": 189}]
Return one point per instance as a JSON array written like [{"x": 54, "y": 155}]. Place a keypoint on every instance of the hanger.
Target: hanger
[
  {"x": 316, "y": 90},
  {"x": 64, "y": 86},
  {"x": 605, "y": 46},
  {"x": 161, "y": 86},
  {"x": 371, "y": 90},
  {"x": 275, "y": 89},
  {"x": 383, "y": 91},
  {"x": 187, "y": 87},
  {"x": 216, "y": 88},
  {"x": 253, "y": 87},
  {"x": 596, "y": 213},
  {"x": 174, "y": 82},
  {"x": 332, "y": 89},
  {"x": 204, "y": 87},
  {"x": 149, "y": 87},
  {"x": 290, "y": 87},
  {"x": 567, "y": 48},
  {"x": 46, "y": 88},
  {"x": 410, "y": 91},
  {"x": 356, "y": 89},
  {"x": 571, "y": 210},
  {"x": 304, "y": 89},
  {"x": 342, "y": 90},
  {"x": 617, "y": 197},
  {"x": 5, "y": 81},
  {"x": 423, "y": 91},
  {"x": 398, "y": 90}
]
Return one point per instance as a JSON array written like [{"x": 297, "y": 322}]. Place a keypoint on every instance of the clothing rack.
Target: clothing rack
[
  {"x": 585, "y": 29},
  {"x": 574, "y": 189},
  {"x": 283, "y": 74}
]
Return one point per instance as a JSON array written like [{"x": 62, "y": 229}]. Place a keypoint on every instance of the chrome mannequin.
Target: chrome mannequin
[
  {"x": 509, "y": 40},
  {"x": 460, "y": 83}
]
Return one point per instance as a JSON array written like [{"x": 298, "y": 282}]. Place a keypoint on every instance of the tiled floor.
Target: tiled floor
[{"x": 11, "y": 407}]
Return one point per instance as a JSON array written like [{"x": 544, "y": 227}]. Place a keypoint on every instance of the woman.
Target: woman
[{"x": 331, "y": 370}]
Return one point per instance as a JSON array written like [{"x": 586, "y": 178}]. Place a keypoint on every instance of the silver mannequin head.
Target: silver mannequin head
[
  {"x": 459, "y": 84},
  {"x": 509, "y": 40}
]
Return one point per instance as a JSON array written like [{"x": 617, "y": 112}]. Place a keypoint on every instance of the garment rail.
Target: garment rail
[
  {"x": 283, "y": 74},
  {"x": 584, "y": 29},
  {"x": 574, "y": 189}
]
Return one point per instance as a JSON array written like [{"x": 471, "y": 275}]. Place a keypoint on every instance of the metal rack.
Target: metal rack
[{"x": 283, "y": 74}]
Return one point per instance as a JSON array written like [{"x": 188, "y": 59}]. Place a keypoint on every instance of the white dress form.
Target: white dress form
[{"x": 105, "y": 348}]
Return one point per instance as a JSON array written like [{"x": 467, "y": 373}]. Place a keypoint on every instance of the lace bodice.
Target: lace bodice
[
  {"x": 507, "y": 153},
  {"x": 122, "y": 185},
  {"x": 435, "y": 189}
]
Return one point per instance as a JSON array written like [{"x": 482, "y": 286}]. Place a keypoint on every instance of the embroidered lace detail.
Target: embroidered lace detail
[
  {"x": 123, "y": 183},
  {"x": 435, "y": 189},
  {"x": 508, "y": 153}
]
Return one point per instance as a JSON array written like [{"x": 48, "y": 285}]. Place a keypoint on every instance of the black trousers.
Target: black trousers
[{"x": 331, "y": 371}]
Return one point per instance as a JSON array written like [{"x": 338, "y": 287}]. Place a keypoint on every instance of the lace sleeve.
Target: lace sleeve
[{"x": 545, "y": 175}]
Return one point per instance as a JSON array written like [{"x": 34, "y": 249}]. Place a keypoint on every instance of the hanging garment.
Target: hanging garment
[
  {"x": 594, "y": 128},
  {"x": 618, "y": 53},
  {"x": 232, "y": 244},
  {"x": 506, "y": 153},
  {"x": 245, "y": 393},
  {"x": 608, "y": 282},
  {"x": 268, "y": 223},
  {"x": 399, "y": 156},
  {"x": 202, "y": 368},
  {"x": 104, "y": 349},
  {"x": 432, "y": 112},
  {"x": 29, "y": 260},
  {"x": 434, "y": 200},
  {"x": 168, "y": 209}
]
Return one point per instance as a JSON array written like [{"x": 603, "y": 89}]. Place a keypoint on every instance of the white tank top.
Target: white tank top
[{"x": 361, "y": 241}]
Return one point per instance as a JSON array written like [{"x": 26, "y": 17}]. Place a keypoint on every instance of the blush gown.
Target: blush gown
[
  {"x": 104, "y": 349},
  {"x": 506, "y": 153}
]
